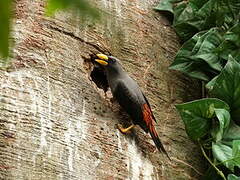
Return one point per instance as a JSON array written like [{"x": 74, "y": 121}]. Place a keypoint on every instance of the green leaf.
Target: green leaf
[
  {"x": 227, "y": 87},
  {"x": 5, "y": 19},
  {"x": 236, "y": 152},
  {"x": 223, "y": 153},
  {"x": 198, "y": 57},
  {"x": 193, "y": 16},
  {"x": 167, "y": 5},
  {"x": 227, "y": 11},
  {"x": 197, "y": 115},
  {"x": 81, "y": 6},
  {"x": 227, "y": 155},
  {"x": 233, "y": 133},
  {"x": 233, "y": 177},
  {"x": 211, "y": 83},
  {"x": 204, "y": 55},
  {"x": 223, "y": 117},
  {"x": 231, "y": 44}
]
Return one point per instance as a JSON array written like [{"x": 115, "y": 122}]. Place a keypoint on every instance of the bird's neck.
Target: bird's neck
[{"x": 115, "y": 72}]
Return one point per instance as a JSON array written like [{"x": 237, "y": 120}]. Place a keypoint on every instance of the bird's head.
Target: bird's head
[{"x": 107, "y": 61}]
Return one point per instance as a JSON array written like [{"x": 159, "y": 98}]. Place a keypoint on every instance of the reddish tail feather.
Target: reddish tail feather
[
  {"x": 157, "y": 141},
  {"x": 149, "y": 119}
]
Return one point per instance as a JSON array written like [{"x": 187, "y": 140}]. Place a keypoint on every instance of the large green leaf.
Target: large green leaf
[
  {"x": 167, "y": 5},
  {"x": 227, "y": 11},
  {"x": 227, "y": 87},
  {"x": 227, "y": 151},
  {"x": 223, "y": 117},
  {"x": 232, "y": 177},
  {"x": 236, "y": 152},
  {"x": 227, "y": 155},
  {"x": 232, "y": 133},
  {"x": 198, "y": 57},
  {"x": 223, "y": 154},
  {"x": 81, "y": 6},
  {"x": 5, "y": 19},
  {"x": 193, "y": 16},
  {"x": 197, "y": 115},
  {"x": 231, "y": 43},
  {"x": 231, "y": 139},
  {"x": 204, "y": 55}
]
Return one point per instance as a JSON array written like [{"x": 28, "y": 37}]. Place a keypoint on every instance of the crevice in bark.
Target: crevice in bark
[{"x": 72, "y": 35}]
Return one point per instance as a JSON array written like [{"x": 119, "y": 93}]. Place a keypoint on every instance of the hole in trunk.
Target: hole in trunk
[
  {"x": 98, "y": 75},
  {"x": 99, "y": 78},
  {"x": 96, "y": 72}
]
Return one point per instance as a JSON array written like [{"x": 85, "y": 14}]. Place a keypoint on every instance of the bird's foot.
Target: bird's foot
[{"x": 124, "y": 130}]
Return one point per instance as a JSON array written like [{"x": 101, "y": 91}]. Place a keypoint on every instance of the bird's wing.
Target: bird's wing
[
  {"x": 135, "y": 104},
  {"x": 149, "y": 118},
  {"x": 128, "y": 101},
  {"x": 139, "y": 109},
  {"x": 149, "y": 107}
]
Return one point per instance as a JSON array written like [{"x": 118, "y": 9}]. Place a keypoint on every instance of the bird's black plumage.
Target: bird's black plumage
[
  {"x": 130, "y": 97},
  {"x": 130, "y": 103}
]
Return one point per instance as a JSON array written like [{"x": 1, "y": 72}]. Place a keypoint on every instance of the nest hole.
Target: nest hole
[
  {"x": 98, "y": 75},
  {"x": 96, "y": 72}
]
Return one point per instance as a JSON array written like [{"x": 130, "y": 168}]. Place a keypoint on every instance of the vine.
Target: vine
[{"x": 210, "y": 32}]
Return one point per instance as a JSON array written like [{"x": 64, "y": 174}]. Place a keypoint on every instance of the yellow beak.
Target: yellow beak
[
  {"x": 102, "y": 59},
  {"x": 102, "y": 62},
  {"x": 102, "y": 56}
]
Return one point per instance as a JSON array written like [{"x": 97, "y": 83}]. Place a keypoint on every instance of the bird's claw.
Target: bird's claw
[{"x": 124, "y": 130}]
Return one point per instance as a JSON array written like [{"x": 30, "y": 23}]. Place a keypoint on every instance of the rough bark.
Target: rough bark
[{"x": 57, "y": 124}]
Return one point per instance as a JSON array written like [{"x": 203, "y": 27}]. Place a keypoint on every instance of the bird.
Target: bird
[{"x": 130, "y": 97}]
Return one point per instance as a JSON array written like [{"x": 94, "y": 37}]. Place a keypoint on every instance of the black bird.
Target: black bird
[{"x": 130, "y": 97}]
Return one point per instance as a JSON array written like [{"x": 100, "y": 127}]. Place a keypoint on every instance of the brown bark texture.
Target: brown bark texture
[{"x": 55, "y": 123}]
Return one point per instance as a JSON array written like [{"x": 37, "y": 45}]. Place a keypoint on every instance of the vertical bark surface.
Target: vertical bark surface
[{"x": 55, "y": 123}]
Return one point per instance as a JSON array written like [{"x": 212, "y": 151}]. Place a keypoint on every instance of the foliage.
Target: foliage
[
  {"x": 198, "y": 56},
  {"x": 5, "y": 17},
  {"x": 82, "y": 7},
  {"x": 210, "y": 31},
  {"x": 197, "y": 116},
  {"x": 226, "y": 86},
  {"x": 233, "y": 177},
  {"x": 206, "y": 53},
  {"x": 193, "y": 16}
]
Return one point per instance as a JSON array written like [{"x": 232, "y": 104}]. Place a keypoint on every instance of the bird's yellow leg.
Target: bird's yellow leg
[{"x": 124, "y": 130}]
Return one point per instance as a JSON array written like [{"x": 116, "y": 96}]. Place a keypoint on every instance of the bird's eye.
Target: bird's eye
[{"x": 112, "y": 60}]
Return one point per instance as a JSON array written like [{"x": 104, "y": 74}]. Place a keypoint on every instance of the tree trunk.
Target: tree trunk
[{"x": 56, "y": 123}]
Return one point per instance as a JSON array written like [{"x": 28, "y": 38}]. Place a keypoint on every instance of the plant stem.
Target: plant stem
[
  {"x": 213, "y": 165},
  {"x": 203, "y": 90}
]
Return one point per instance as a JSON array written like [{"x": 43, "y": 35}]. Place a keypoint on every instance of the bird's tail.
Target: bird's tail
[{"x": 157, "y": 141}]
